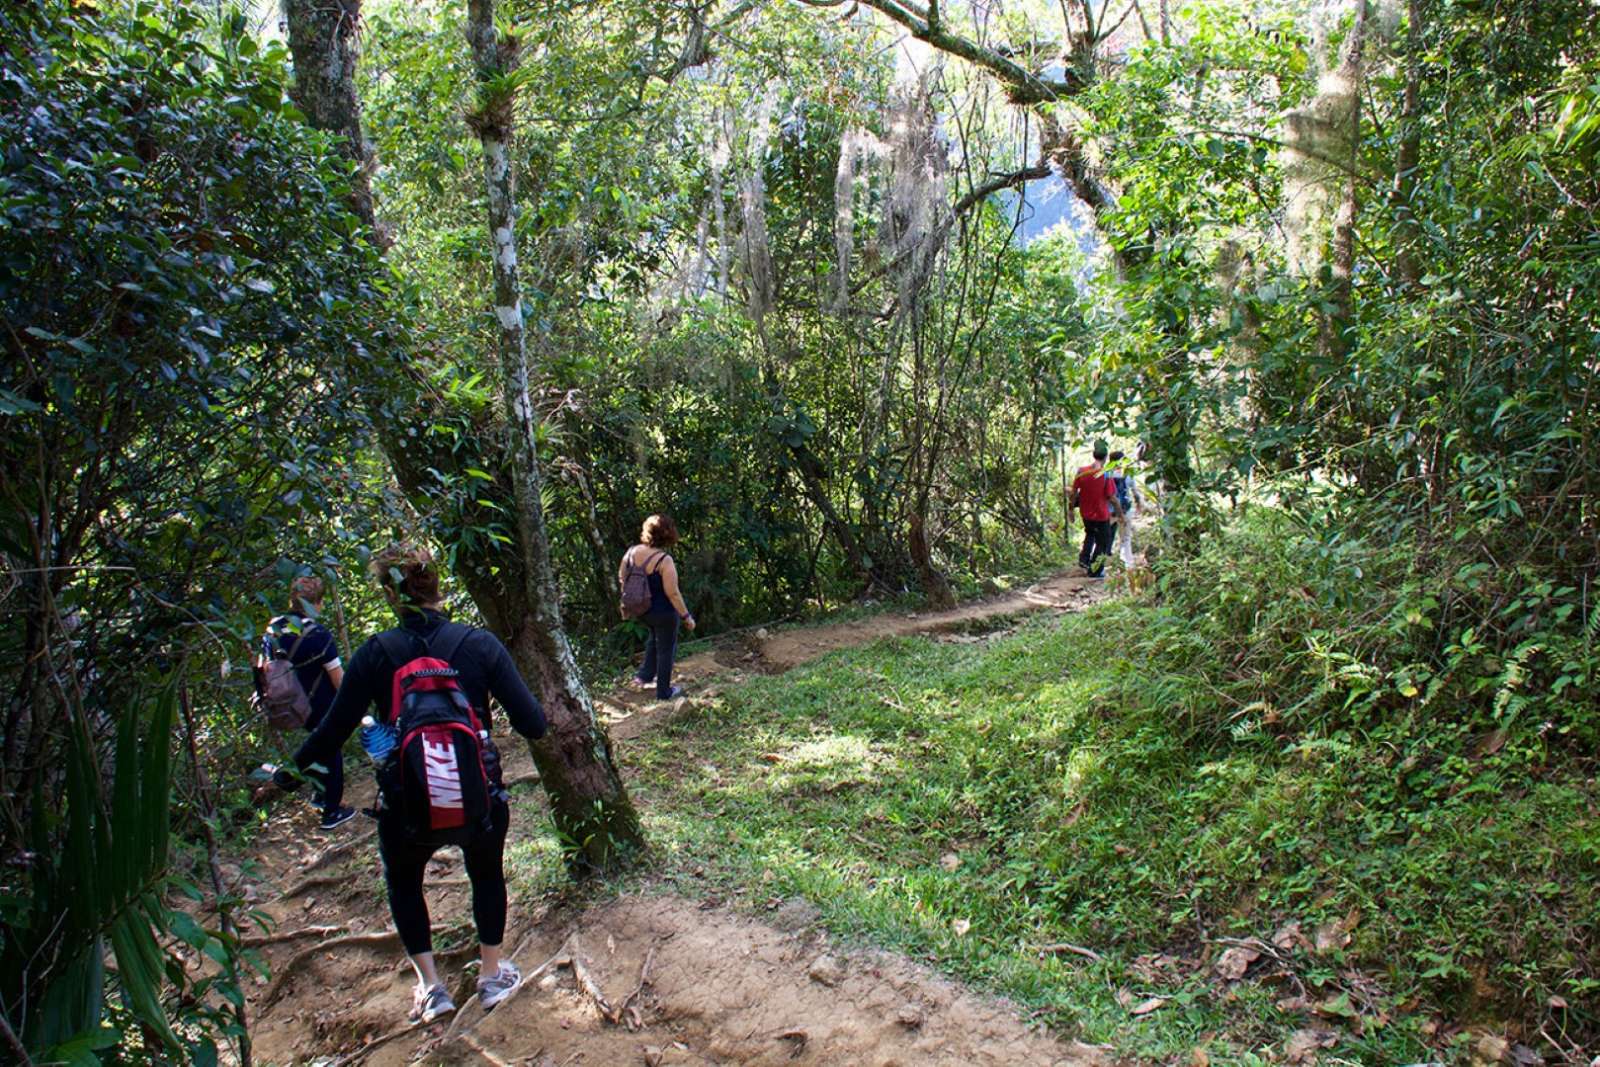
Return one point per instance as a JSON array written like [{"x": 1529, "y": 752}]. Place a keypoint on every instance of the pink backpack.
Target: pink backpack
[
  {"x": 281, "y": 695},
  {"x": 636, "y": 588}
]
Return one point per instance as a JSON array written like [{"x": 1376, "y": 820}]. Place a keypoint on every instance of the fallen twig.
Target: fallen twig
[
  {"x": 305, "y": 885},
  {"x": 372, "y": 1046},
  {"x": 376, "y": 939},
  {"x": 626, "y": 1009},
  {"x": 1077, "y": 950},
  {"x": 799, "y": 1037},
  {"x": 261, "y": 940}
]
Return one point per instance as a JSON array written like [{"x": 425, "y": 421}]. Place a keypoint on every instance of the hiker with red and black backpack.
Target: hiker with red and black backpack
[{"x": 429, "y": 681}]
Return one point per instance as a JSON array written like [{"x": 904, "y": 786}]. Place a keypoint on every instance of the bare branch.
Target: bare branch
[
  {"x": 1001, "y": 181},
  {"x": 1025, "y": 87}
]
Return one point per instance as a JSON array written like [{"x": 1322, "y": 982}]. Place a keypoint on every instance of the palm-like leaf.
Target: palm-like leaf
[{"x": 101, "y": 879}]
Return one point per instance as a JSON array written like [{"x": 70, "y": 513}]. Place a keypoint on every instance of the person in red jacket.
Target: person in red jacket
[{"x": 1094, "y": 494}]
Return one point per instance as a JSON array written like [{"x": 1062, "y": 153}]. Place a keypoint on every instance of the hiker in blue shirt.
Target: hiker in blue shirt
[
  {"x": 1127, "y": 493},
  {"x": 311, "y": 650}
]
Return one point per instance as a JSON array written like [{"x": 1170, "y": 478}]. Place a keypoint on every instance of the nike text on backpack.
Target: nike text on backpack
[
  {"x": 444, "y": 775},
  {"x": 636, "y": 588},
  {"x": 281, "y": 695}
]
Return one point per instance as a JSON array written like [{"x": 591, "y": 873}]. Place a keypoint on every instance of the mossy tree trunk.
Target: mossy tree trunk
[
  {"x": 515, "y": 588},
  {"x": 587, "y": 798}
]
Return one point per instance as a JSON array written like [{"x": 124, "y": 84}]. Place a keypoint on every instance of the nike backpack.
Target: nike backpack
[{"x": 439, "y": 776}]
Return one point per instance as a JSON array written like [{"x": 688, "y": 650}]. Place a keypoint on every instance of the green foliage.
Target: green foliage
[
  {"x": 98, "y": 872},
  {"x": 175, "y": 429}
]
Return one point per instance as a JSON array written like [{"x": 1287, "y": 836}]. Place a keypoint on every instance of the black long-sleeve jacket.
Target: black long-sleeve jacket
[{"x": 483, "y": 666}]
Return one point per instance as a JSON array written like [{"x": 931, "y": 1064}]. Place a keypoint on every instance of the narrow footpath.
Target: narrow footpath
[{"x": 645, "y": 978}]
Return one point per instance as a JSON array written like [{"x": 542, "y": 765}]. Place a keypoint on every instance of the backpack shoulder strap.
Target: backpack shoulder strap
[
  {"x": 272, "y": 641},
  {"x": 448, "y": 639},
  {"x": 654, "y": 561},
  {"x": 399, "y": 646}
]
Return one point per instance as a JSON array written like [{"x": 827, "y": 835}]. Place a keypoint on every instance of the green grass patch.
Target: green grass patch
[{"x": 969, "y": 803}]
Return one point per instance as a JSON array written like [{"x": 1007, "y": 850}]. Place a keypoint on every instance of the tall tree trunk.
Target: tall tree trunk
[
  {"x": 322, "y": 40},
  {"x": 1408, "y": 155},
  {"x": 1332, "y": 334},
  {"x": 605, "y": 579},
  {"x": 935, "y": 586},
  {"x": 514, "y": 590},
  {"x": 588, "y": 802},
  {"x": 813, "y": 476}
]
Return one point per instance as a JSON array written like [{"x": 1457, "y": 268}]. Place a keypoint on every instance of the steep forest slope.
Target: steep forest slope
[{"x": 502, "y": 278}]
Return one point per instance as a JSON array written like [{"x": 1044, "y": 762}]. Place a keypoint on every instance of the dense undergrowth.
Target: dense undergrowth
[{"x": 1261, "y": 742}]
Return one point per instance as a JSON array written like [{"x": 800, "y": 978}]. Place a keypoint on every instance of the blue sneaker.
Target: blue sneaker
[{"x": 333, "y": 818}]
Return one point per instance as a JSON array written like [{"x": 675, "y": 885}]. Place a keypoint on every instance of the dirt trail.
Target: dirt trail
[
  {"x": 630, "y": 713},
  {"x": 722, "y": 988}
]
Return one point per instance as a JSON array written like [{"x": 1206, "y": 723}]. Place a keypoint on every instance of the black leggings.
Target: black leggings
[
  {"x": 329, "y": 783},
  {"x": 406, "y": 859}
]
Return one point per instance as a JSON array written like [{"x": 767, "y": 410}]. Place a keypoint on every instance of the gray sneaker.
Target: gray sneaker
[
  {"x": 494, "y": 989},
  {"x": 429, "y": 1004}
]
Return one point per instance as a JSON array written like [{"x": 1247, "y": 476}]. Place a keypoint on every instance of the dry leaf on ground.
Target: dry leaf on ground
[
  {"x": 1336, "y": 932},
  {"x": 1302, "y": 1045},
  {"x": 1154, "y": 967},
  {"x": 1290, "y": 937},
  {"x": 1145, "y": 1007},
  {"x": 1232, "y": 964}
]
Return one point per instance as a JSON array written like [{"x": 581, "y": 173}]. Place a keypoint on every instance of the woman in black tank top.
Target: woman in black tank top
[{"x": 667, "y": 609}]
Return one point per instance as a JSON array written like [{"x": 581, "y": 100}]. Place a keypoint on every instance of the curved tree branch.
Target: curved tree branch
[{"x": 1023, "y": 86}]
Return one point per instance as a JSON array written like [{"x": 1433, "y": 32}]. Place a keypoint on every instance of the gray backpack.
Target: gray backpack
[
  {"x": 282, "y": 696},
  {"x": 636, "y": 588}
]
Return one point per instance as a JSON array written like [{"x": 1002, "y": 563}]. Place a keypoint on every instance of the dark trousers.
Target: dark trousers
[
  {"x": 330, "y": 783},
  {"x": 405, "y": 860},
  {"x": 659, "y": 649},
  {"x": 1096, "y": 546}
]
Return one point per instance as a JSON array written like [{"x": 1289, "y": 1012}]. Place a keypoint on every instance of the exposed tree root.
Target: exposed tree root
[
  {"x": 377, "y": 939},
  {"x": 280, "y": 936},
  {"x": 372, "y": 1046},
  {"x": 344, "y": 848},
  {"x": 477, "y": 1046},
  {"x": 586, "y": 982},
  {"x": 306, "y": 885}
]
